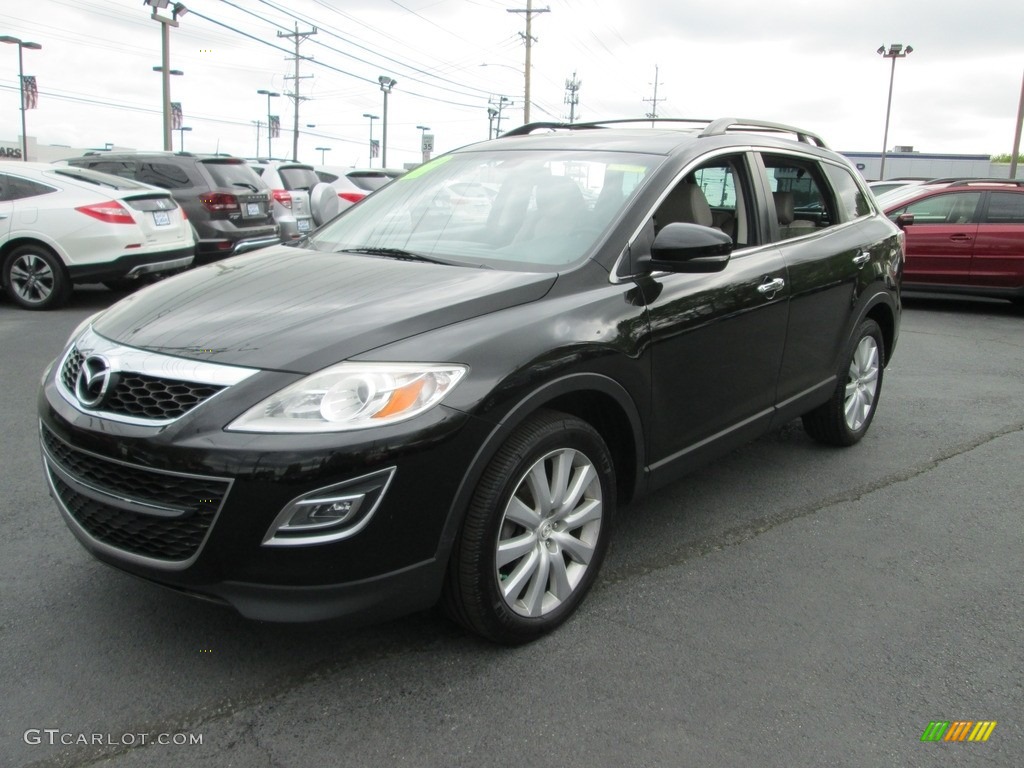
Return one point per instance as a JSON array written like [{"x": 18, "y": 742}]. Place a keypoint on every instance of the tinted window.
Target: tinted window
[
  {"x": 118, "y": 168},
  {"x": 327, "y": 177},
  {"x": 1005, "y": 208},
  {"x": 166, "y": 175},
  {"x": 17, "y": 188},
  {"x": 298, "y": 178},
  {"x": 99, "y": 178},
  {"x": 369, "y": 181},
  {"x": 801, "y": 204},
  {"x": 952, "y": 208},
  {"x": 233, "y": 175},
  {"x": 852, "y": 203}
]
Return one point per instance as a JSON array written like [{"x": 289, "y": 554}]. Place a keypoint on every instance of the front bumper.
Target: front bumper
[{"x": 189, "y": 505}]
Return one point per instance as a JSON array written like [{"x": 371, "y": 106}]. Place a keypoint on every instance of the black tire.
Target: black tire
[
  {"x": 35, "y": 278},
  {"x": 512, "y": 602},
  {"x": 845, "y": 418}
]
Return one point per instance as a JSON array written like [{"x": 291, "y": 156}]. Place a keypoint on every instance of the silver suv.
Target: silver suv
[{"x": 291, "y": 185}]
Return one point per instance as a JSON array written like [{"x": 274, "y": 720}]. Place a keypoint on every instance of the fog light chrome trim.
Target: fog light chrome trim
[{"x": 292, "y": 526}]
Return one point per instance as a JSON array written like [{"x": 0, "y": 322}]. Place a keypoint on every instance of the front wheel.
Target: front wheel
[
  {"x": 845, "y": 418},
  {"x": 536, "y": 531},
  {"x": 35, "y": 278}
]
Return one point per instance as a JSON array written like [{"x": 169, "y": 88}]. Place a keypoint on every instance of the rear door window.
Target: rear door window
[{"x": 1005, "y": 208}]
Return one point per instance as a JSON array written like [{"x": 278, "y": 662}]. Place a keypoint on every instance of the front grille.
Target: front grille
[
  {"x": 147, "y": 535},
  {"x": 142, "y": 396}
]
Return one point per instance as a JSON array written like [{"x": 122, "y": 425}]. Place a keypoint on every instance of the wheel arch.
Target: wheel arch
[
  {"x": 17, "y": 242},
  {"x": 882, "y": 312},
  {"x": 599, "y": 400}
]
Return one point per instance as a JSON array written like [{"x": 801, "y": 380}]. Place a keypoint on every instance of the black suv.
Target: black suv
[
  {"x": 414, "y": 405},
  {"x": 227, "y": 203}
]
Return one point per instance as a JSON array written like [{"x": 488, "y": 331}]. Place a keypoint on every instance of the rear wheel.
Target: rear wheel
[
  {"x": 35, "y": 278},
  {"x": 536, "y": 531},
  {"x": 845, "y": 418}
]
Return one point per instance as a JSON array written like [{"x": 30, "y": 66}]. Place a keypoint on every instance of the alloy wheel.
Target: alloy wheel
[
  {"x": 32, "y": 278},
  {"x": 862, "y": 383},
  {"x": 548, "y": 532}
]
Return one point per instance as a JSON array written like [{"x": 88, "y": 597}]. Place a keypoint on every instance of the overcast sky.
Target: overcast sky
[{"x": 811, "y": 64}]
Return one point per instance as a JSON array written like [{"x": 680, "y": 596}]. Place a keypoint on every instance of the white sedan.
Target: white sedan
[{"x": 61, "y": 225}]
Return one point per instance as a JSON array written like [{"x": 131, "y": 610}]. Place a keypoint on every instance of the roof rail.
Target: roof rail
[
  {"x": 525, "y": 130},
  {"x": 710, "y": 127},
  {"x": 726, "y": 124},
  {"x": 963, "y": 180}
]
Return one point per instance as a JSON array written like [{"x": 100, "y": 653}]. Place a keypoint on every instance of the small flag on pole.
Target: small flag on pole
[
  {"x": 176, "y": 120},
  {"x": 374, "y": 148},
  {"x": 275, "y": 126},
  {"x": 29, "y": 88}
]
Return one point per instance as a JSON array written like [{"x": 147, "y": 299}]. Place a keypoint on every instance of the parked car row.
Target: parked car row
[{"x": 154, "y": 213}]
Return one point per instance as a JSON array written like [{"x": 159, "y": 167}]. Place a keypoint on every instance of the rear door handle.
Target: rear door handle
[
  {"x": 961, "y": 238},
  {"x": 862, "y": 258}
]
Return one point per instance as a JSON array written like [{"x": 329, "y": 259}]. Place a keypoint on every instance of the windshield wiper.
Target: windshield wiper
[
  {"x": 398, "y": 253},
  {"x": 251, "y": 187}
]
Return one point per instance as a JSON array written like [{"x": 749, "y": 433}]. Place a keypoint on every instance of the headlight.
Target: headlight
[{"x": 352, "y": 396}]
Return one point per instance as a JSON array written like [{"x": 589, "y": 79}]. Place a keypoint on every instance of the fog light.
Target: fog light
[{"x": 329, "y": 514}]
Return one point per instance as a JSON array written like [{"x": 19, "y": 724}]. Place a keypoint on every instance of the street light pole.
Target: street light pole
[
  {"x": 895, "y": 51},
  {"x": 21, "y": 81},
  {"x": 323, "y": 151},
  {"x": 386, "y": 84},
  {"x": 270, "y": 123},
  {"x": 181, "y": 133},
  {"x": 178, "y": 9},
  {"x": 372, "y": 118}
]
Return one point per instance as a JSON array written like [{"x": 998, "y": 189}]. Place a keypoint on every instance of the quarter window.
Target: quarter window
[
  {"x": 852, "y": 202},
  {"x": 16, "y": 188},
  {"x": 164, "y": 175}
]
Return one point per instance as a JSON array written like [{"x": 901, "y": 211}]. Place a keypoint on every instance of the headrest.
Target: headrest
[{"x": 784, "y": 207}]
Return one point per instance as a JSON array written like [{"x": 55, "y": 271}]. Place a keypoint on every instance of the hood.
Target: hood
[{"x": 299, "y": 310}]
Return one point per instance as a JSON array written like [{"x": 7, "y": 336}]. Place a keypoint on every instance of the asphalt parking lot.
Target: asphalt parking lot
[{"x": 790, "y": 605}]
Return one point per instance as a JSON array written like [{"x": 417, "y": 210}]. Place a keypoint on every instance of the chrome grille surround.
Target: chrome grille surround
[
  {"x": 153, "y": 389},
  {"x": 148, "y": 516}
]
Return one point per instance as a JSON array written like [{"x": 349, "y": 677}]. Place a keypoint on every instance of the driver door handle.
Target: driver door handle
[
  {"x": 862, "y": 258},
  {"x": 772, "y": 287}
]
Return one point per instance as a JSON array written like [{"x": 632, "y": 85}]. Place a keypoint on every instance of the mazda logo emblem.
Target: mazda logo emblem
[{"x": 94, "y": 381}]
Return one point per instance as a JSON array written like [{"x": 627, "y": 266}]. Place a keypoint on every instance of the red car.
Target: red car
[{"x": 962, "y": 236}]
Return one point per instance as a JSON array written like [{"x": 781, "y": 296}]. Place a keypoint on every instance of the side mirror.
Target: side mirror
[
  {"x": 688, "y": 248},
  {"x": 904, "y": 220}
]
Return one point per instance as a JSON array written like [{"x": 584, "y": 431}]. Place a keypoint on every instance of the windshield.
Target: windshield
[{"x": 537, "y": 210}]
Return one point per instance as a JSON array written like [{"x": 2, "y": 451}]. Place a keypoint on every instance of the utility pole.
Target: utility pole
[
  {"x": 572, "y": 96},
  {"x": 528, "y": 37},
  {"x": 653, "y": 114},
  {"x": 298, "y": 37}
]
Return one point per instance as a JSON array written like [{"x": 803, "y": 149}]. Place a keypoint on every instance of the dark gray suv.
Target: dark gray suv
[{"x": 228, "y": 204}]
